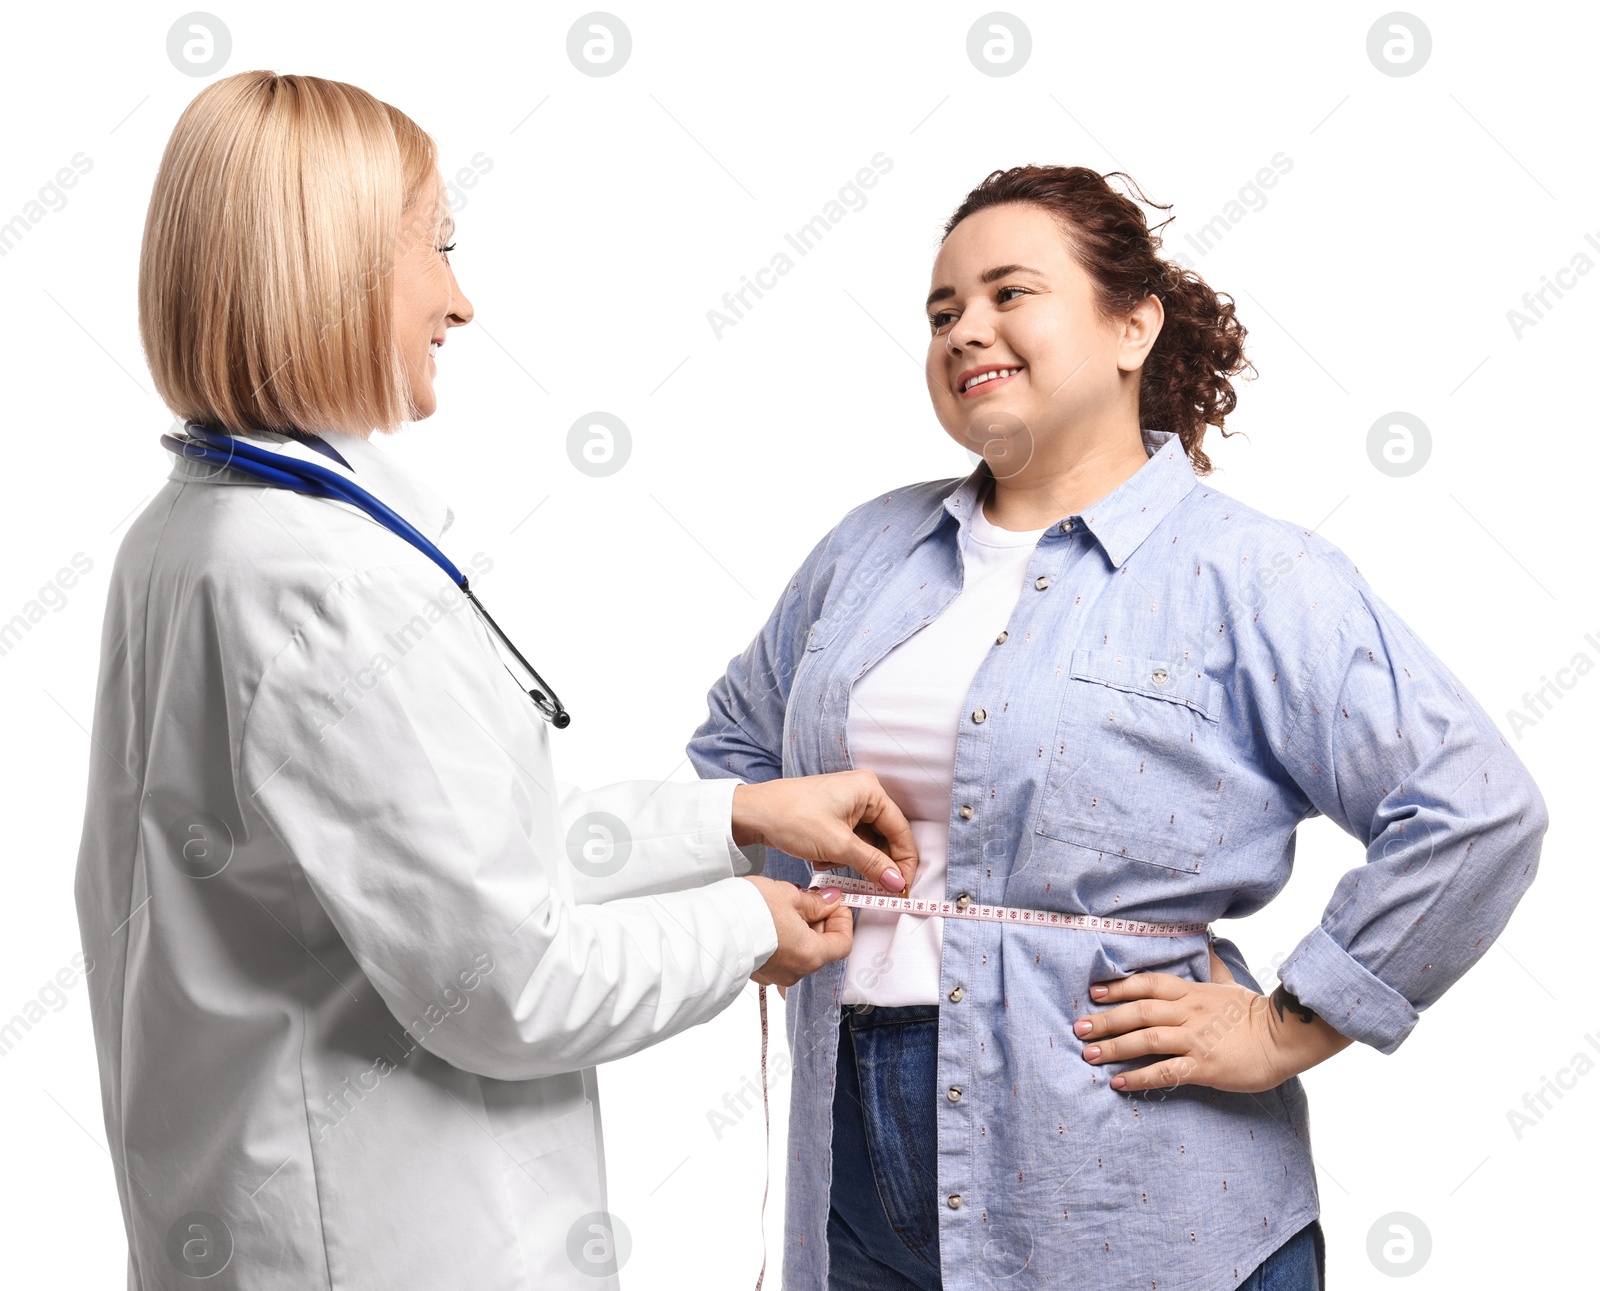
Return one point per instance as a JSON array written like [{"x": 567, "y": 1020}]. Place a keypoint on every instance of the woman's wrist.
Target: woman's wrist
[{"x": 1300, "y": 1038}]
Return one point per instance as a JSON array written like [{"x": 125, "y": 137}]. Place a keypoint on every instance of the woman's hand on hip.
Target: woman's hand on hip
[
  {"x": 1214, "y": 1033},
  {"x": 844, "y": 818}
]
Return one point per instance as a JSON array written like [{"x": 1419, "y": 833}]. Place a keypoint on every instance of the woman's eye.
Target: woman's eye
[
  {"x": 941, "y": 319},
  {"x": 445, "y": 251},
  {"x": 1004, "y": 299}
]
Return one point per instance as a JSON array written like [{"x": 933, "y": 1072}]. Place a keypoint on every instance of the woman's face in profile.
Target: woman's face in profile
[
  {"x": 1017, "y": 347},
  {"x": 427, "y": 299}
]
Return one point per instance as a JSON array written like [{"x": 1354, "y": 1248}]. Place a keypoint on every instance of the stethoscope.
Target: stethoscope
[{"x": 215, "y": 449}]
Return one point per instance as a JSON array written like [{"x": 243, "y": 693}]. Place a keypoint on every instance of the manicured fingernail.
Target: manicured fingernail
[
  {"x": 1098, "y": 992},
  {"x": 831, "y": 894},
  {"x": 1083, "y": 1026},
  {"x": 1092, "y": 1052},
  {"x": 1118, "y": 1082},
  {"x": 893, "y": 881}
]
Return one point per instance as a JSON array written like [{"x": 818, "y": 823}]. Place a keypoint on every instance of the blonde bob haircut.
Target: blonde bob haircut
[{"x": 265, "y": 278}]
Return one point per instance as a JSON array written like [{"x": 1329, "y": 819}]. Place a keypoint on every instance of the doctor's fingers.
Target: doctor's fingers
[
  {"x": 880, "y": 847},
  {"x": 828, "y": 933},
  {"x": 883, "y": 814},
  {"x": 862, "y": 854}
]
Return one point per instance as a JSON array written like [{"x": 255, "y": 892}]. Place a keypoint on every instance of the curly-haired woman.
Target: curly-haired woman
[{"x": 1099, "y": 686}]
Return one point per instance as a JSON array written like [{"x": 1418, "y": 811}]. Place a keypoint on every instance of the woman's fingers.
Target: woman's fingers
[
  {"x": 1139, "y": 1044},
  {"x": 1167, "y": 1074},
  {"x": 1129, "y": 1017},
  {"x": 1162, "y": 986},
  {"x": 1199, "y": 1033},
  {"x": 1148, "y": 1017}
]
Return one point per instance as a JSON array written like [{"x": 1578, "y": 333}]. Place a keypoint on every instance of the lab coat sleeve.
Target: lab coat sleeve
[
  {"x": 411, "y": 783},
  {"x": 638, "y": 838},
  {"x": 1386, "y": 743}
]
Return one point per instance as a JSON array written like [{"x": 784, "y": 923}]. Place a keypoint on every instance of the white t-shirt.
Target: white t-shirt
[{"x": 902, "y": 724}]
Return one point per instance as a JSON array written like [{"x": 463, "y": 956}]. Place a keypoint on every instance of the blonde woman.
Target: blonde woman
[
  {"x": 1100, "y": 687},
  {"x": 356, "y": 950}
]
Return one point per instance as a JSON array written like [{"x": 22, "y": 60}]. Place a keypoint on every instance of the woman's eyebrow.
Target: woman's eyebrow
[{"x": 988, "y": 275}]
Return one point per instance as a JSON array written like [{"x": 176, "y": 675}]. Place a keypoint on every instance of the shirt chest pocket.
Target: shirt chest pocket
[{"x": 1138, "y": 768}]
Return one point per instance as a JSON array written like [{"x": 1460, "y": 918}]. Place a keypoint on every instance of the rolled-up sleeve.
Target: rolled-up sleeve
[{"x": 1389, "y": 745}]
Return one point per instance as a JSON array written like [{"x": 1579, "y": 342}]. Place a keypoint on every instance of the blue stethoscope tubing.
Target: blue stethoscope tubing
[{"x": 215, "y": 449}]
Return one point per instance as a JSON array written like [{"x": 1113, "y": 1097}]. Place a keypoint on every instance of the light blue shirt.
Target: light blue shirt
[{"x": 1182, "y": 681}]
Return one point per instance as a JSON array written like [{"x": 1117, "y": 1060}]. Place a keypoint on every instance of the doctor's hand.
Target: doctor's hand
[
  {"x": 1215, "y": 1033},
  {"x": 844, "y": 818},
  {"x": 814, "y": 928}
]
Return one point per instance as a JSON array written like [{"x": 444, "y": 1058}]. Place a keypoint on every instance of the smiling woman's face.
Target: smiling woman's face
[
  {"x": 427, "y": 299},
  {"x": 1011, "y": 305}
]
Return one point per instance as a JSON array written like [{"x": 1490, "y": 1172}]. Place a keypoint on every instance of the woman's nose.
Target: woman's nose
[
  {"x": 969, "y": 330},
  {"x": 460, "y": 307}
]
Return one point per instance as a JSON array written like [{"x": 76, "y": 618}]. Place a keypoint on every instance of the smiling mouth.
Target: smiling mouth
[{"x": 983, "y": 382}]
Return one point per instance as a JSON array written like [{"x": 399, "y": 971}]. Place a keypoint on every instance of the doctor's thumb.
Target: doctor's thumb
[{"x": 818, "y": 903}]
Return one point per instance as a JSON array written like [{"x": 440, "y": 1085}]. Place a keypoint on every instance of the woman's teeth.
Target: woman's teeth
[{"x": 989, "y": 376}]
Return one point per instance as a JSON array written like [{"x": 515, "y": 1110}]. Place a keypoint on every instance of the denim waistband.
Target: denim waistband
[{"x": 857, "y": 1016}]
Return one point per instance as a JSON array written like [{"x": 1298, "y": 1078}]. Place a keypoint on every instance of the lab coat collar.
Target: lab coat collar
[
  {"x": 1121, "y": 520},
  {"x": 370, "y": 468}
]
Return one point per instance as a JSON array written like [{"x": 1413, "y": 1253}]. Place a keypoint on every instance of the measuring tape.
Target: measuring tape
[{"x": 864, "y": 895}]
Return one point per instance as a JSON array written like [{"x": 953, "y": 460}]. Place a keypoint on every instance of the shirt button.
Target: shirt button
[
  {"x": 955, "y": 1093},
  {"x": 1066, "y": 526},
  {"x": 1042, "y": 582},
  {"x": 978, "y": 716},
  {"x": 1001, "y": 639},
  {"x": 966, "y": 812},
  {"x": 963, "y": 901},
  {"x": 956, "y": 994},
  {"x": 1159, "y": 676},
  {"x": 955, "y": 1201}
]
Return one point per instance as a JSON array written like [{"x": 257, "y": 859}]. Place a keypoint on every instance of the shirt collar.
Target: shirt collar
[
  {"x": 370, "y": 468},
  {"x": 1121, "y": 520}
]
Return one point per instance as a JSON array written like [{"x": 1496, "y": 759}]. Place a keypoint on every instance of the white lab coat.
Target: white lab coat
[{"x": 348, "y": 987}]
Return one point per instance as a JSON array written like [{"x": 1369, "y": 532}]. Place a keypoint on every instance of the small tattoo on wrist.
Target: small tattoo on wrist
[{"x": 1283, "y": 998}]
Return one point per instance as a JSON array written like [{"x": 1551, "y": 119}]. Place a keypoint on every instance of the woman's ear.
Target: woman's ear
[{"x": 1139, "y": 332}]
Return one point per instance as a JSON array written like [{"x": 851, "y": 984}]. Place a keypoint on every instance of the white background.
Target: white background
[{"x": 1418, "y": 210}]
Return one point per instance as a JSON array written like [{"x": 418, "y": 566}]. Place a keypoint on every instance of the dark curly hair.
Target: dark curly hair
[{"x": 1184, "y": 385}]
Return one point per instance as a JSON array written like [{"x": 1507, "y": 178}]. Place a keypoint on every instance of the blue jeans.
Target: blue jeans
[{"x": 883, "y": 1219}]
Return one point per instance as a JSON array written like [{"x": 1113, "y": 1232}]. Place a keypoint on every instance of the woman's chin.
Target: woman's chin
[{"x": 423, "y": 402}]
